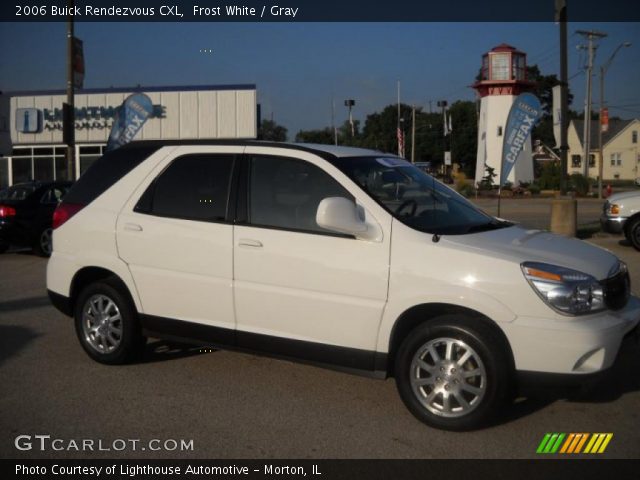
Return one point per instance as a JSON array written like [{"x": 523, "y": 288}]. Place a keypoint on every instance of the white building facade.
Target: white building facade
[{"x": 31, "y": 144}]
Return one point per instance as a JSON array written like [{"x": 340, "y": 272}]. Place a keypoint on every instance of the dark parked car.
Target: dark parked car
[{"x": 26, "y": 212}]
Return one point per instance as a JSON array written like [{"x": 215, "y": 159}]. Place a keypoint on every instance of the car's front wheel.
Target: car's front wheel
[
  {"x": 452, "y": 373},
  {"x": 107, "y": 324},
  {"x": 632, "y": 232}
]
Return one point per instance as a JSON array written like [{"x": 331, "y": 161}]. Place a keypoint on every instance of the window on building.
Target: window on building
[
  {"x": 4, "y": 173},
  {"x": 592, "y": 160},
  {"x": 499, "y": 131},
  {"x": 21, "y": 167},
  {"x": 193, "y": 187},
  {"x": 634, "y": 136},
  {"x": 500, "y": 66},
  {"x": 576, "y": 161},
  {"x": 485, "y": 68},
  {"x": 616, "y": 159},
  {"x": 285, "y": 193}
]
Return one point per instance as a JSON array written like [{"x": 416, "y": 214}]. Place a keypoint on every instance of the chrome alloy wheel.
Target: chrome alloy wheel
[
  {"x": 45, "y": 241},
  {"x": 102, "y": 323},
  {"x": 448, "y": 377}
]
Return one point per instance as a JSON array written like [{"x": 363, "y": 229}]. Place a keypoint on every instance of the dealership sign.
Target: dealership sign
[{"x": 34, "y": 120}]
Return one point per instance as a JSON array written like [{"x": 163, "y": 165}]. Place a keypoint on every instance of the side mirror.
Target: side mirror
[{"x": 342, "y": 215}]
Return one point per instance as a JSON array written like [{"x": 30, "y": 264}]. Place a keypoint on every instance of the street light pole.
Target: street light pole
[
  {"x": 349, "y": 104},
  {"x": 603, "y": 70}
]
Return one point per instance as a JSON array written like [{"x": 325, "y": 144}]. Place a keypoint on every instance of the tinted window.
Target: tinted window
[
  {"x": 106, "y": 171},
  {"x": 285, "y": 193},
  {"x": 193, "y": 187}
]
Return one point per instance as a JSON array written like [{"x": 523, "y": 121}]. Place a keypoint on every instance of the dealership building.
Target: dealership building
[{"x": 31, "y": 145}]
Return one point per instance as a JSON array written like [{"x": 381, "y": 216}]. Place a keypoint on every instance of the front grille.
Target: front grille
[{"x": 616, "y": 290}]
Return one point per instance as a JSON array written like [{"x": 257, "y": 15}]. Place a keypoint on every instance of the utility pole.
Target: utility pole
[
  {"x": 603, "y": 70},
  {"x": 590, "y": 36},
  {"x": 561, "y": 17},
  {"x": 333, "y": 121},
  {"x": 413, "y": 134},
  {"x": 69, "y": 118},
  {"x": 399, "y": 132}
]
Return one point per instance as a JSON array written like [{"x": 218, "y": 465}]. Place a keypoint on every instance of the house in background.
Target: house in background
[{"x": 620, "y": 146}]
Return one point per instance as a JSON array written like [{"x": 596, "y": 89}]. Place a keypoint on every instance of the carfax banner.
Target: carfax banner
[
  {"x": 130, "y": 118},
  {"x": 525, "y": 112}
]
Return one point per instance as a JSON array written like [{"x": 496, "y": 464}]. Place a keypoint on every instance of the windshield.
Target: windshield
[{"x": 416, "y": 198}]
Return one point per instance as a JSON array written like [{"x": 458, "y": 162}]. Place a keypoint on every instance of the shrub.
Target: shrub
[
  {"x": 534, "y": 189},
  {"x": 549, "y": 176},
  {"x": 579, "y": 184}
]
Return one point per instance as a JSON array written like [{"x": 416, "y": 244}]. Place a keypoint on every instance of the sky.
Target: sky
[{"x": 299, "y": 68}]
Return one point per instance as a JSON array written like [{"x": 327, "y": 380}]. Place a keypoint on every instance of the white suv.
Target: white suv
[{"x": 345, "y": 258}]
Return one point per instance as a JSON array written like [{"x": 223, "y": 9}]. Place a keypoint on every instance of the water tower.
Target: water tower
[{"x": 503, "y": 77}]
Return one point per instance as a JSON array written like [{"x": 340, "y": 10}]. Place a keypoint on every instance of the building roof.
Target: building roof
[
  {"x": 615, "y": 127},
  {"x": 136, "y": 89}
]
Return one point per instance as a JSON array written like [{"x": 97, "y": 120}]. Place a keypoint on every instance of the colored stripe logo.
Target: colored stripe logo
[{"x": 574, "y": 443}]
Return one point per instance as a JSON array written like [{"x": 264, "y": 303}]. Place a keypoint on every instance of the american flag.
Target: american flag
[{"x": 400, "y": 142}]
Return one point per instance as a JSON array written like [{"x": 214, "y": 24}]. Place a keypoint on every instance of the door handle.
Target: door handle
[
  {"x": 132, "y": 227},
  {"x": 246, "y": 242}
]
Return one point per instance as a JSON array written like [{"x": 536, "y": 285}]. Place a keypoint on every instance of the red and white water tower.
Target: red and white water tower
[{"x": 503, "y": 77}]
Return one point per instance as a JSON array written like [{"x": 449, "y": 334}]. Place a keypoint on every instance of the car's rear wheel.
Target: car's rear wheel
[
  {"x": 107, "y": 324},
  {"x": 44, "y": 244},
  {"x": 452, "y": 373}
]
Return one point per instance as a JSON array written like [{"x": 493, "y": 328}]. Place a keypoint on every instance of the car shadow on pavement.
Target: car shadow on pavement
[
  {"x": 24, "y": 304},
  {"x": 162, "y": 350},
  {"x": 620, "y": 380},
  {"x": 614, "y": 385},
  {"x": 624, "y": 243},
  {"x": 13, "y": 339}
]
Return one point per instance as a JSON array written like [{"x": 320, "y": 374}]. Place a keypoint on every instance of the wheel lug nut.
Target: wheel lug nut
[
  {"x": 453, "y": 370},
  {"x": 446, "y": 387}
]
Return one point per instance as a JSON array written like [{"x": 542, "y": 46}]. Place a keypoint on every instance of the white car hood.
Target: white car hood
[
  {"x": 623, "y": 195},
  {"x": 521, "y": 245}
]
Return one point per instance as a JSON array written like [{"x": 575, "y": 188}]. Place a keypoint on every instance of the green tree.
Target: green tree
[
  {"x": 464, "y": 135},
  {"x": 270, "y": 130},
  {"x": 323, "y": 136}
]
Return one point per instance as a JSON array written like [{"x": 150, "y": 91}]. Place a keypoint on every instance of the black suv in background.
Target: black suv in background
[{"x": 26, "y": 213}]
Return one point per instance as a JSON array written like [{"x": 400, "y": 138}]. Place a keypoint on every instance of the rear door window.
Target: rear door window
[{"x": 192, "y": 187}]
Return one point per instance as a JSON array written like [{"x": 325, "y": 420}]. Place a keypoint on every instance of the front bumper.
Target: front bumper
[
  {"x": 577, "y": 346},
  {"x": 612, "y": 224}
]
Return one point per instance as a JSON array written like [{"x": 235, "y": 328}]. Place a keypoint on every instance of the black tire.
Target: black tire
[
  {"x": 43, "y": 246},
  {"x": 124, "y": 347},
  {"x": 632, "y": 232},
  {"x": 492, "y": 387}
]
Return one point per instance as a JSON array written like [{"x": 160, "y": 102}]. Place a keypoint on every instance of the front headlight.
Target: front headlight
[{"x": 568, "y": 291}]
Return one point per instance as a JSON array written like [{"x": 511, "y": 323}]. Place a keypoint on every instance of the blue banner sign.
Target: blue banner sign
[
  {"x": 129, "y": 119},
  {"x": 524, "y": 114}
]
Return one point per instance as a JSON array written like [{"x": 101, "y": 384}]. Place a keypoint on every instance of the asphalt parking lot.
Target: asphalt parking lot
[{"x": 235, "y": 405}]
